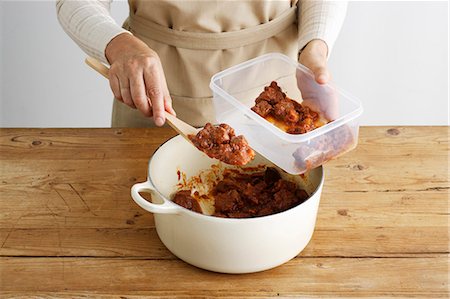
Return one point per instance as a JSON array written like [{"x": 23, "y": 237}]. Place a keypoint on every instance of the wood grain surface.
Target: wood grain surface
[{"x": 68, "y": 227}]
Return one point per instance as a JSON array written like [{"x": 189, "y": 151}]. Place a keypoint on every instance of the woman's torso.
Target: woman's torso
[{"x": 190, "y": 41}]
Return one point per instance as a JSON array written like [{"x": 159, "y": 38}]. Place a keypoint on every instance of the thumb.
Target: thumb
[
  {"x": 318, "y": 67},
  {"x": 321, "y": 74},
  {"x": 314, "y": 57}
]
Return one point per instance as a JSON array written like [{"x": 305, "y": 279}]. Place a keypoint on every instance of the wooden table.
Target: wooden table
[{"x": 68, "y": 226}]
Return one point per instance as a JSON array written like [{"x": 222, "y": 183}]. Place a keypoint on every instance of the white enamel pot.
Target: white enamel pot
[{"x": 223, "y": 244}]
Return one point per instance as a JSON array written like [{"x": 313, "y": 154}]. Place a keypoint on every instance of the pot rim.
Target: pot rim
[{"x": 223, "y": 219}]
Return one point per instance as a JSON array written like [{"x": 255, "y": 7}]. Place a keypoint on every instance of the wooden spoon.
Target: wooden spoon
[
  {"x": 242, "y": 154},
  {"x": 177, "y": 124}
]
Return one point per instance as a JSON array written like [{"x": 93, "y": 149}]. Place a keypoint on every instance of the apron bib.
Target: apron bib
[{"x": 196, "y": 39}]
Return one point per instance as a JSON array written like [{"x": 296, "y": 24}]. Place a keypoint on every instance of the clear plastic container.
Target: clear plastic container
[{"x": 235, "y": 90}]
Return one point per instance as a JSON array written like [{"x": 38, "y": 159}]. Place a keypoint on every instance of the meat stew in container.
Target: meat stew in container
[
  {"x": 294, "y": 118},
  {"x": 293, "y": 135}
]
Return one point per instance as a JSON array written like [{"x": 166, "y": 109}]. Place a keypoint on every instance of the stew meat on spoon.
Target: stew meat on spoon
[{"x": 220, "y": 142}]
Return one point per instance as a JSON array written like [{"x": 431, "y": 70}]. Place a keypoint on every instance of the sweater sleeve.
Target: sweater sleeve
[
  {"x": 320, "y": 20},
  {"x": 89, "y": 23}
]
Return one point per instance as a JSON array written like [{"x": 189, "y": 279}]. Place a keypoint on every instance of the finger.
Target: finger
[
  {"x": 149, "y": 104},
  {"x": 125, "y": 91},
  {"x": 167, "y": 98},
  {"x": 115, "y": 87},
  {"x": 168, "y": 106},
  {"x": 138, "y": 94},
  {"x": 155, "y": 93}
]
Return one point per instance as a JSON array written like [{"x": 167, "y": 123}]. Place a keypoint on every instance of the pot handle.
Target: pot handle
[{"x": 164, "y": 208}]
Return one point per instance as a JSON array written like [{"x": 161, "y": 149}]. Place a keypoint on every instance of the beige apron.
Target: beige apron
[{"x": 196, "y": 39}]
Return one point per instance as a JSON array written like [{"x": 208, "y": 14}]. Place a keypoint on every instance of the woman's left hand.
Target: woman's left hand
[{"x": 316, "y": 93}]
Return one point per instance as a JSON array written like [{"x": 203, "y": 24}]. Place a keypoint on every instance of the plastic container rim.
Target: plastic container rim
[{"x": 294, "y": 138}]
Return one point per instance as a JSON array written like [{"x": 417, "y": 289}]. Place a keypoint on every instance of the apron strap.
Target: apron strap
[{"x": 212, "y": 41}]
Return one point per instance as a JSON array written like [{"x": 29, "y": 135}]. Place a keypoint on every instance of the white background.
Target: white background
[{"x": 391, "y": 55}]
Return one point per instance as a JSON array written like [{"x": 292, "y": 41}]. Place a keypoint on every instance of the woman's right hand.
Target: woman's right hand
[{"x": 137, "y": 78}]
